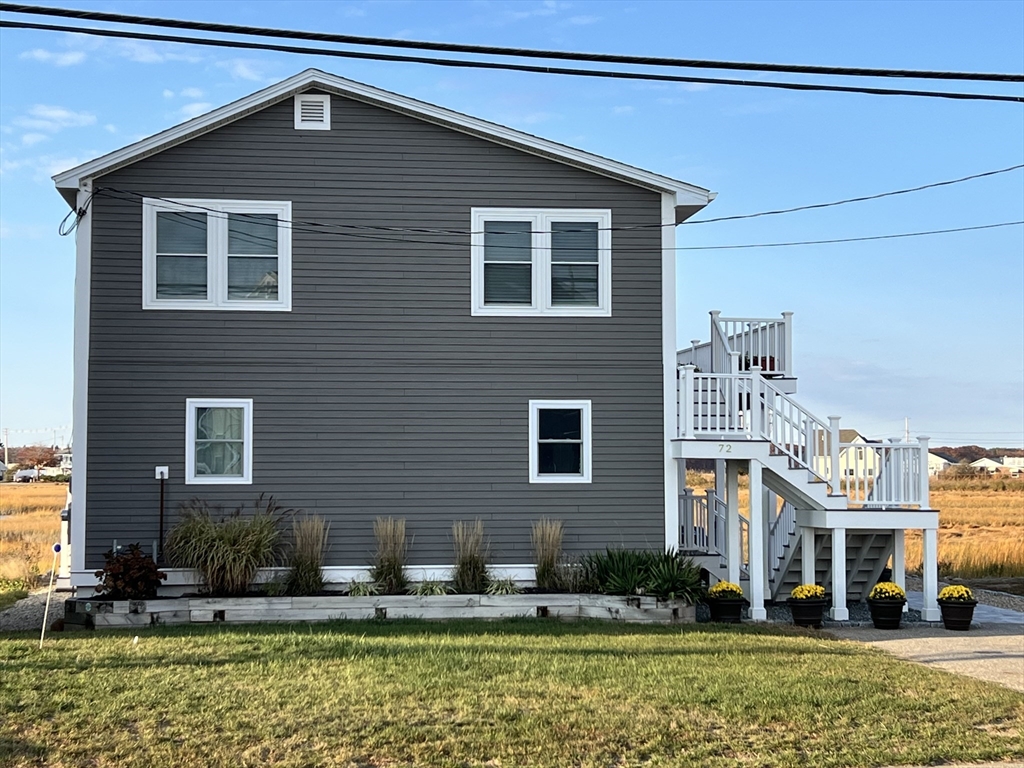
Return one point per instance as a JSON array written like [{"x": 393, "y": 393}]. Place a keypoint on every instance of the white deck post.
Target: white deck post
[
  {"x": 899, "y": 559},
  {"x": 755, "y": 402},
  {"x": 687, "y": 517},
  {"x": 757, "y": 538},
  {"x": 734, "y": 362},
  {"x": 923, "y": 472},
  {"x": 839, "y": 610},
  {"x": 770, "y": 507},
  {"x": 807, "y": 570},
  {"x": 833, "y": 474},
  {"x": 787, "y": 324},
  {"x": 732, "y": 520},
  {"x": 687, "y": 403},
  {"x": 931, "y": 575}
]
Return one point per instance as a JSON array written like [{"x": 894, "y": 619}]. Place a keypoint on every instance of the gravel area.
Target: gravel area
[
  {"x": 983, "y": 596},
  {"x": 27, "y": 614}
]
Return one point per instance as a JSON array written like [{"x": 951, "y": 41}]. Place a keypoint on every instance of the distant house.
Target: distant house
[
  {"x": 1014, "y": 463},
  {"x": 938, "y": 463},
  {"x": 992, "y": 466},
  {"x": 856, "y": 458}
]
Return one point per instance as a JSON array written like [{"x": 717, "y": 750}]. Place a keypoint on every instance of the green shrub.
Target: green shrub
[
  {"x": 546, "y": 537},
  {"x": 228, "y": 552},
  {"x": 506, "y": 586},
  {"x": 665, "y": 575},
  {"x": 306, "y": 575},
  {"x": 429, "y": 587},
  {"x": 129, "y": 574},
  {"x": 363, "y": 589},
  {"x": 388, "y": 569},
  {"x": 469, "y": 576}
]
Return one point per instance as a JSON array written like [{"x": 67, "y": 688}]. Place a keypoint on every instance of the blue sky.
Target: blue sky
[{"x": 928, "y": 328}]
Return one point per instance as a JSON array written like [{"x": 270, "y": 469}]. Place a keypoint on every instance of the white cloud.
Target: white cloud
[
  {"x": 168, "y": 93},
  {"x": 582, "y": 20},
  {"x": 195, "y": 108},
  {"x": 191, "y": 93},
  {"x": 143, "y": 53},
  {"x": 57, "y": 58},
  {"x": 110, "y": 128},
  {"x": 51, "y": 119},
  {"x": 244, "y": 69},
  {"x": 547, "y": 8},
  {"x": 623, "y": 110},
  {"x": 43, "y": 167},
  {"x": 33, "y": 138}
]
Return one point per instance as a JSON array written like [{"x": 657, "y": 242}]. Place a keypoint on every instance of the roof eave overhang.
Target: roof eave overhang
[{"x": 688, "y": 198}]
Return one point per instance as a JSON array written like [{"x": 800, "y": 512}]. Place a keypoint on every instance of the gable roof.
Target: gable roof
[{"x": 689, "y": 199}]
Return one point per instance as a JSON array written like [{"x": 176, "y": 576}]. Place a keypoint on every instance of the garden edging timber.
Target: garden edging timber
[{"x": 99, "y": 613}]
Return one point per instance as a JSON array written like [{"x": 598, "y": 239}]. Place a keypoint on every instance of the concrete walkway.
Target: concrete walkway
[
  {"x": 992, "y": 651},
  {"x": 983, "y": 614}
]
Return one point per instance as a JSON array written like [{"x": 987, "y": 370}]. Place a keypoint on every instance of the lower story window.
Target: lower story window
[
  {"x": 218, "y": 441},
  {"x": 560, "y": 441}
]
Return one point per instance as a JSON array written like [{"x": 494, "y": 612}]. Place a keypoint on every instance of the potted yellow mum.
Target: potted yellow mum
[
  {"x": 807, "y": 604},
  {"x": 957, "y": 605},
  {"x": 726, "y": 602},
  {"x": 886, "y": 602}
]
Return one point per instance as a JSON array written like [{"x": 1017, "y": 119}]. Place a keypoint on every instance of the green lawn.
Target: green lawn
[{"x": 515, "y": 693}]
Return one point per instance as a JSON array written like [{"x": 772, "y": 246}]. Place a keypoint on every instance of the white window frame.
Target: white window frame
[
  {"x": 217, "y": 254},
  {"x": 324, "y": 99},
  {"x": 541, "y": 220},
  {"x": 192, "y": 404},
  {"x": 536, "y": 406}
]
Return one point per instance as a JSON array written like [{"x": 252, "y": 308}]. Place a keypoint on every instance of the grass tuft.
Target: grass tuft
[
  {"x": 546, "y": 537},
  {"x": 306, "y": 575},
  {"x": 469, "y": 577},
  {"x": 388, "y": 569}
]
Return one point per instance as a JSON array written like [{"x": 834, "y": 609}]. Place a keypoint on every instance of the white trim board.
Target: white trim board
[
  {"x": 192, "y": 404},
  {"x": 80, "y": 399},
  {"x": 586, "y": 438},
  {"x": 688, "y": 198}
]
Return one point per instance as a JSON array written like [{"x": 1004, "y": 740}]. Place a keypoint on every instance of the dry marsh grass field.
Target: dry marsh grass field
[{"x": 29, "y": 526}]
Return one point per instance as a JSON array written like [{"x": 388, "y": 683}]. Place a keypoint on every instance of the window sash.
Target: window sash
[
  {"x": 565, "y": 280},
  {"x": 218, "y": 441},
  {"x": 248, "y": 265},
  {"x": 560, "y": 446}
]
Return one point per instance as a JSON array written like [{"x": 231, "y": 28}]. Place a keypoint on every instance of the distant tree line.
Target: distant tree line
[{"x": 971, "y": 453}]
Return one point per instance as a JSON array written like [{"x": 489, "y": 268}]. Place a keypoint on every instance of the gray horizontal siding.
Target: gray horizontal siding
[{"x": 378, "y": 394}]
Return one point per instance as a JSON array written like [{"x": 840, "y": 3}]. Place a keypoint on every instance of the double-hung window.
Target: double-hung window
[
  {"x": 216, "y": 254},
  {"x": 541, "y": 262},
  {"x": 560, "y": 442},
  {"x": 218, "y": 441}
]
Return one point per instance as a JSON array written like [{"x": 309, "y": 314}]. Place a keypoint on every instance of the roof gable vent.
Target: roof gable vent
[{"x": 312, "y": 112}]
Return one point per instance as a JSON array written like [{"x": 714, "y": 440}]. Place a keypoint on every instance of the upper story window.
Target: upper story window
[
  {"x": 541, "y": 262},
  {"x": 216, "y": 254}
]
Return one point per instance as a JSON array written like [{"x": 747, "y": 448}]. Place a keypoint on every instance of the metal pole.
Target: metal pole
[{"x": 49, "y": 593}]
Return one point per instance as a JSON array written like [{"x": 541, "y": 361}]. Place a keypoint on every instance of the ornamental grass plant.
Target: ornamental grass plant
[
  {"x": 469, "y": 577},
  {"x": 306, "y": 575},
  {"x": 388, "y": 570},
  {"x": 227, "y": 551},
  {"x": 546, "y": 537}
]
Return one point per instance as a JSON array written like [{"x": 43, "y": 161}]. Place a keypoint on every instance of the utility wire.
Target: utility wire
[
  {"x": 857, "y": 199},
  {"x": 322, "y": 229},
  {"x": 493, "y": 65},
  {"x": 815, "y": 206},
  {"x": 324, "y": 37}
]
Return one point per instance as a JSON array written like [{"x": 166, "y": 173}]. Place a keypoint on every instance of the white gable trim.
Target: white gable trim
[{"x": 687, "y": 196}]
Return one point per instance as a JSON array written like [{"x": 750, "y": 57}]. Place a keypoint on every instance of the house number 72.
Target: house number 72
[{"x": 725, "y": 447}]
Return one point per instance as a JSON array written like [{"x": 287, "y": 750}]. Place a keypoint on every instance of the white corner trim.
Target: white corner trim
[
  {"x": 687, "y": 194},
  {"x": 668, "y": 352},
  {"x": 541, "y": 220},
  {"x": 324, "y": 102},
  {"x": 217, "y": 254},
  {"x": 80, "y": 386},
  {"x": 587, "y": 439},
  {"x": 191, "y": 404}
]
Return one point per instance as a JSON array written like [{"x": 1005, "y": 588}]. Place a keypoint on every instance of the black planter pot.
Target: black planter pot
[
  {"x": 728, "y": 610},
  {"x": 957, "y": 614},
  {"x": 886, "y": 614},
  {"x": 808, "y": 613}
]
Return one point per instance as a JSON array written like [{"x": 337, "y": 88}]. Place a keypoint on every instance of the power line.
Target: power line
[
  {"x": 493, "y": 65},
  {"x": 236, "y": 29},
  {"x": 856, "y": 199},
  {"x": 321, "y": 229},
  {"x": 849, "y": 239},
  {"x": 635, "y": 227}
]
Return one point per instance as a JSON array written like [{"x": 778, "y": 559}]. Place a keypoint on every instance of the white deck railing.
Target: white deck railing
[
  {"x": 703, "y": 522},
  {"x": 746, "y": 406},
  {"x": 780, "y": 533},
  {"x": 740, "y": 343}
]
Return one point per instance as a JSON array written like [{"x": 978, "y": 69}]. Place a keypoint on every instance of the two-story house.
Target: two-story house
[{"x": 367, "y": 305}]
